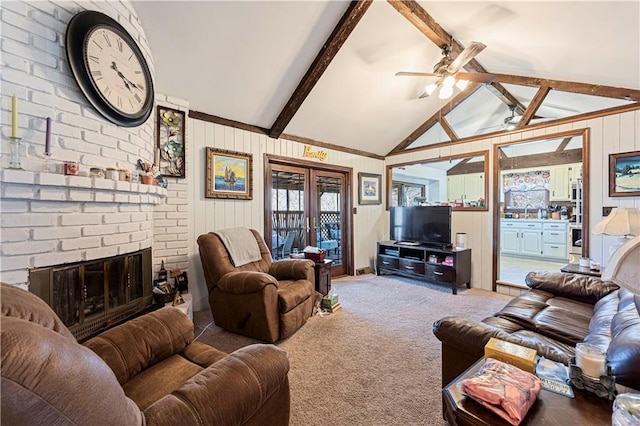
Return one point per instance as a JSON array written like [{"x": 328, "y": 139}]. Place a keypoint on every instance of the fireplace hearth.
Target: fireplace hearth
[{"x": 97, "y": 294}]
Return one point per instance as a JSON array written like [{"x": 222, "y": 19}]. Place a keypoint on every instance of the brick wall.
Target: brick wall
[{"x": 49, "y": 219}]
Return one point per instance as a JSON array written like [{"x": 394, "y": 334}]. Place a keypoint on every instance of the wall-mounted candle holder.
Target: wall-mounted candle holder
[{"x": 14, "y": 161}]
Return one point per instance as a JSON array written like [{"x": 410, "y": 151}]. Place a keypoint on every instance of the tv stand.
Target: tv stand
[{"x": 428, "y": 263}]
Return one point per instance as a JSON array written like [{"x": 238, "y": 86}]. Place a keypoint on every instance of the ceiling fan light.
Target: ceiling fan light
[
  {"x": 449, "y": 81},
  {"x": 510, "y": 126},
  {"x": 462, "y": 84},
  {"x": 445, "y": 92},
  {"x": 430, "y": 88}
]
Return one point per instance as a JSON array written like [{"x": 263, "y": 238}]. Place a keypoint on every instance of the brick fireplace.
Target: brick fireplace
[{"x": 50, "y": 219}]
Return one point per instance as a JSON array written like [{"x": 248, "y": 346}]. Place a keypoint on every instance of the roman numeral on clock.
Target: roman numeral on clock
[
  {"x": 94, "y": 59},
  {"x": 119, "y": 45},
  {"x": 106, "y": 37}
]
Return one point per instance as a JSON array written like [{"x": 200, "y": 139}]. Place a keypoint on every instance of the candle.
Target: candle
[
  {"x": 591, "y": 360},
  {"x": 14, "y": 116},
  {"x": 47, "y": 140}
]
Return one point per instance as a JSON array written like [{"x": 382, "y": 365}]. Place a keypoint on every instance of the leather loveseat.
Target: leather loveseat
[
  {"x": 559, "y": 311},
  {"x": 147, "y": 371}
]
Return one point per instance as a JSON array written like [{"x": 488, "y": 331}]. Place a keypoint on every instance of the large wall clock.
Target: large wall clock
[{"x": 109, "y": 68}]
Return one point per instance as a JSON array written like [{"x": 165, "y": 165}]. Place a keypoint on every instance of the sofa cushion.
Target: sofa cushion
[
  {"x": 583, "y": 288},
  {"x": 563, "y": 319},
  {"x": 623, "y": 353}
]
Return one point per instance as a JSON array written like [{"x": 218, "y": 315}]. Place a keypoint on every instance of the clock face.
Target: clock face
[
  {"x": 109, "y": 68},
  {"x": 116, "y": 71}
]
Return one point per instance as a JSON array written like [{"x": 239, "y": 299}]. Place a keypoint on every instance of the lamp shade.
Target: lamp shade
[
  {"x": 623, "y": 267},
  {"x": 620, "y": 222}
]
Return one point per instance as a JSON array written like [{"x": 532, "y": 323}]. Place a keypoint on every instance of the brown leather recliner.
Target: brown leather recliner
[
  {"x": 264, "y": 299},
  {"x": 147, "y": 371}
]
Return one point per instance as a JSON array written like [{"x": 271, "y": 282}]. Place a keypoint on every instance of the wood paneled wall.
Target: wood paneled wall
[
  {"x": 206, "y": 214},
  {"x": 609, "y": 134}
]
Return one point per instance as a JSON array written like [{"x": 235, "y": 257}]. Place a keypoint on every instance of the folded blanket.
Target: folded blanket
[
  {"x": 504, "y": 389},
  {"x": 241, "y": 245}
]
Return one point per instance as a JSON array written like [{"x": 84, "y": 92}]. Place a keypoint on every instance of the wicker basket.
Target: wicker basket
[{"x": 164, "y": 298}]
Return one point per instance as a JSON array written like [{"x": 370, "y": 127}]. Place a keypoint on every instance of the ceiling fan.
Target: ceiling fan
[
  {"x": 511, "y": 122},
  {"x": 449, "y": 74}
]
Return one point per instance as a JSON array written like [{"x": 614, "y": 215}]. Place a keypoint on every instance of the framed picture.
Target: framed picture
[
  {"x": 624, "y": 174},
  {"x": 170, "y": 142},
  {"x": 229, "y": 174},
  {"x": 369, "y": 191}
]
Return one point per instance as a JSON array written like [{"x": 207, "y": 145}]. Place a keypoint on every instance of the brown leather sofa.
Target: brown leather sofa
[
  {"x": 265, "y": 300},
  {"x": 558, "y": 312},
  {"x": 148, "y": 371}
]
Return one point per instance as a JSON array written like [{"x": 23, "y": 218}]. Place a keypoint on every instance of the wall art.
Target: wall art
[
  {"x": 229, "y": 174},
  {"x": 170, "y": 146}
]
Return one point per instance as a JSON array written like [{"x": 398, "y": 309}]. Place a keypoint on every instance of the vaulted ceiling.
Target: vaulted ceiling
[{"x": 325, "y": 71}]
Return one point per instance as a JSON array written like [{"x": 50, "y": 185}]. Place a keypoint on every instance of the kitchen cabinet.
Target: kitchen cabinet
[
  {"x": 469, "y": 187},
  {"x": 521, "y": 237},
  {"x": 575, "y": 172},
  {"x": 538, "y": 238},
  {"x": 555, "y": 240},
  {"x": 559, "y": 182}
]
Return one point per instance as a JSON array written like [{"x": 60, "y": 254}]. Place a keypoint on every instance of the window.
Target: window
[{"x": 405, "y": 194}]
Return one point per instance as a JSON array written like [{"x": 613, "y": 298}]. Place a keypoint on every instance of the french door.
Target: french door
[{"x": 307, "y": 206}]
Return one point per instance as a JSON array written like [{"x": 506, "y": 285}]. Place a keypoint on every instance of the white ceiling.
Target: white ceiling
[{"x": 242, "y": 61}]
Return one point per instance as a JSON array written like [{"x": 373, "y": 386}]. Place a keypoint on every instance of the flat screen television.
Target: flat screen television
[{"x": 422, "y": 225}]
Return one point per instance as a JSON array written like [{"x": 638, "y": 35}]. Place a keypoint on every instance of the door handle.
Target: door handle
[
  {"x": 307, "y": 220},
  {"x": 437, "y": 273}
]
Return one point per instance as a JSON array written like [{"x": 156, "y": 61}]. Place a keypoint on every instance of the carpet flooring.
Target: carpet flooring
[{"x": 373, "y": 362}]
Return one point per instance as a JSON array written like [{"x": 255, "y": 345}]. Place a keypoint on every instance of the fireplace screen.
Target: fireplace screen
[{"x": 90, "y": 296}]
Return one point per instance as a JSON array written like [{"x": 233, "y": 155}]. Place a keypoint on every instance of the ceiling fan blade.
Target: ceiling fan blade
[
  {"x": 465, "y": 56},
  {"x": 477, "y": 77},
  {"x": 423, "y": 95},
  {"x": 416, "y": 74}
]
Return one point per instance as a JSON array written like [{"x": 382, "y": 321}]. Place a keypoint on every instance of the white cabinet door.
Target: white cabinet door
[
  {"x": 559, "y": 182},
  {"x": 510, "y": 241},
  {"x": 530, "y": 242},
  {"x": 455, "y": 187},
  {"x": 474, "y": 186},
  {"x": 575, "y": 172}
]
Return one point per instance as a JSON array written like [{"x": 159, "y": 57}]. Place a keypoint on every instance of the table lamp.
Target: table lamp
[
  {"x": 621, "y": 222},
  {"x": 623, "y": 267}
]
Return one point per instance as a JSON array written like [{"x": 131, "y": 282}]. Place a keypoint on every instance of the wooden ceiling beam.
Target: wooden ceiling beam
[
  {"x": 533, "y": 107},
  {"x": 329, "y": 50},
  {"x": 542, "y": 160},
  {"x": 425, "y": 23},
  {"x": 448, "y": 129},
  {"x": 431, "y": 121},
  {"x": 572, "y": 87},
  {"x": 563, "y": 144}
]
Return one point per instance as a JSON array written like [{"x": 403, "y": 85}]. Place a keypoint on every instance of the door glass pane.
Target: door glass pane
[
  {"x": 329, "y": 217},
  {"x": 288, "y": 221},
  {"x": 67, "y": 295},
  {"x": 117, "y": 283}
]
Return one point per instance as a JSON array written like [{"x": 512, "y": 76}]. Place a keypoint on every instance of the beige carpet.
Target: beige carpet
[{"x": 375, "y": 361}]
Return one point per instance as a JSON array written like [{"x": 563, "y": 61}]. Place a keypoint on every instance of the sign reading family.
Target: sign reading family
[{"x": 308, "y": 153}]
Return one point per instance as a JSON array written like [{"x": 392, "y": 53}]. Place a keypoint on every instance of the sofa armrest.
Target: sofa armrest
[
  {"x": 293, "y": 269},
  {"x": 245, "y": 282},
  {"x": 156, "y": 336},
  {"x": 579, "y": 287},
  {"x": 466, "y": 335},
  {"x": 231, "y": 391}
]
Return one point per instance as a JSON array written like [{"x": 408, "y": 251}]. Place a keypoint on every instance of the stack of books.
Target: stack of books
[{"x": 330, "y": 303}]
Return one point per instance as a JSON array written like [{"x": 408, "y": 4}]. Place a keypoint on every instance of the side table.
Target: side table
[
  {"x": 586, "y": 409},
  {"x": 575, "y": 268},
  {"x": 186, "y": 307},
  {"x": 323, "y": 276}
]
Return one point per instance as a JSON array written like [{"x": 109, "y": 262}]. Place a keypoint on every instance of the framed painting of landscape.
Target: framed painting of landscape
[
  {"x": 229, "y": 175},
  {"x": 624, "y": 174}
]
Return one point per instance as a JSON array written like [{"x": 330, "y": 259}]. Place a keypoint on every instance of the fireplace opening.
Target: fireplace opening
[{"x": 93, "y": 295}]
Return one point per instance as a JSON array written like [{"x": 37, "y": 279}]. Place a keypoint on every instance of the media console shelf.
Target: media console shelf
[{"x": 436, "y": 265}]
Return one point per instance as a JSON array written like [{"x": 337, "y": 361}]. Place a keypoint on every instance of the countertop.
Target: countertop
[{"x": 536, "y": 220}]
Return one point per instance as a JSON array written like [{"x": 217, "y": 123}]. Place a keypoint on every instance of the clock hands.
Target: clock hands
[{"x": 127, "y": 83}]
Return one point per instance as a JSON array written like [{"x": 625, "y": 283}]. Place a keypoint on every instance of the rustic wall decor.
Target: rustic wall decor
[
  {"x": 369, "y": 191},
  {"x": 170, "y": 142}
]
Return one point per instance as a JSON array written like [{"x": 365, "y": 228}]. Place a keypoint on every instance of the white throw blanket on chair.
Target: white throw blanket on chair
[{"x": 241, "y": 245}]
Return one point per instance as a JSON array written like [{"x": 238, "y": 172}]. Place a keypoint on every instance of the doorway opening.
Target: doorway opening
[{"x": 309, "y": 205}]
